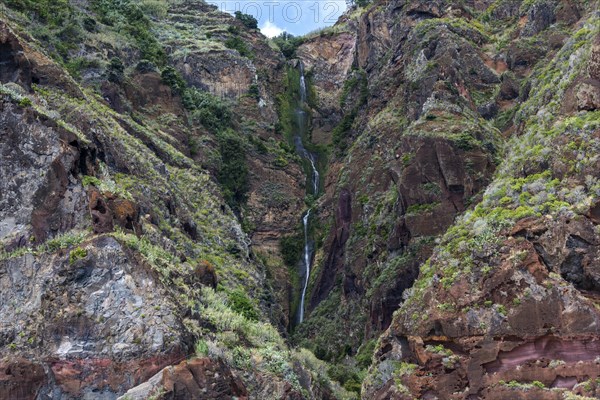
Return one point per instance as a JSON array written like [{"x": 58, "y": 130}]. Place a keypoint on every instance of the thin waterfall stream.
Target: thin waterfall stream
[
  {"x": 307, "y": 264},
  {"x": 314, "y": 180}
]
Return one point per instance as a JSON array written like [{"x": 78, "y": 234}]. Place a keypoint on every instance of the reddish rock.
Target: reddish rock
[
  {"x": 200, "y": 378},
  {"x": 588, "y": 96},
  {"x": 206, "y": 274},
  {"x": 125, "y": 213},
  {"x": 102, "y": 219},
  {"x": 21, "y": 379},
  {"x": 335, "y": 261}
]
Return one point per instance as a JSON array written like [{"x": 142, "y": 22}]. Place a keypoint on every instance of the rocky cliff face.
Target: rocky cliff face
[
  {"x": 441, "y": 94},
  {"x": 515, "y": 276},
  {"x": 150, "y": 203},
  {"x": 121, "y": 255}
]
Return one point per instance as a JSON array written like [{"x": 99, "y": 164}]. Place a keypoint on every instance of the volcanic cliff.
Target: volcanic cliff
[{"x": 154, "y": 175}]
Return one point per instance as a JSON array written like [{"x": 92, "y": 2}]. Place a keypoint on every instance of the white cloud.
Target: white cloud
[{"x": 270, "y": 30}]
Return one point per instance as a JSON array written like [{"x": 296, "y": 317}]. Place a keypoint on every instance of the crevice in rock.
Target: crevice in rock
[{"x": 420, "y": 15}]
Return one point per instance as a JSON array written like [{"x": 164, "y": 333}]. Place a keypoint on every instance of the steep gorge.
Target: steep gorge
[{"x": 412, "y": 197}]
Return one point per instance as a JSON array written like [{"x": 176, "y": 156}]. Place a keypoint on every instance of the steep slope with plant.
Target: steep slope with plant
[
  {"x": 507, "y": 306},
  {"x": 153, "y": 180},
  {"x": 127, "y": 198}
]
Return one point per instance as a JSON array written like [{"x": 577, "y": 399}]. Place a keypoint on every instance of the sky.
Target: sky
[{"x": 297, "y": 17}]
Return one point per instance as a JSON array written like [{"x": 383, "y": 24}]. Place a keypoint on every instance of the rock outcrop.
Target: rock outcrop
[{"x": 507, "y": 306}]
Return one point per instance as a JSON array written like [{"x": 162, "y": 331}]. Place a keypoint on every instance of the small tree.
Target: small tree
[
  {"x": 171, "y": 77},
  {"x": 115, "y": 70},
  {"x": 248, "y": 20},
  {"x": 288, "y": 43}
]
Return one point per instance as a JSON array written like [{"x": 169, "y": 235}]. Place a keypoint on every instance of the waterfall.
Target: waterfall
[
  {"x": 302, "y": 131},
  {"x": 302, "y": 84},
  {"x": 314, "y": 179},
  {"x": 306, "y": 264}
]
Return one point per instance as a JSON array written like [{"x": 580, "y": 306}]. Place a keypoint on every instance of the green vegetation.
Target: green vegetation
[
  {"x": 25, "y": 102},
  {"x": 288, "y": 43},
  {"x": 64, "y": 241},
  {"x": 520, "y": 190},
  {"x": 240, "y": 303},
  {"x": 291, "y": 249},
  {"x": 249, "y": 344},
  {"x": 365, "y": 353},
  {"x": 237, "y": 43},
  {"x": 201, "y": 348},
  {"x": 349, "y": 377},
  {"x": 130, "y": 16},
  {"x": 173, "y": 78},
  {"x": 207, "y": 110},
  {"x": 76, "y": 65},
  {"x": 403, "y": 369},
  {"x": 421, "y": 208},
  {"x": 356, "y": 85},
  {"x": 115, "y": 70},
  {"x": 357, "y": 80},
  {"x": 247, "y": 20},
  {"x": 233, "y": 174},
  {"x": 340, "y": 132},
  {"x": 53, "y": 13},
  {"x": 77, "y": 254},
  {"x": 523, "y": 386}
]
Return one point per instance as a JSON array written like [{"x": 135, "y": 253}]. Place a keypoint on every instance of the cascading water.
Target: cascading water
[
  {"x": 312, "y": 159},
  {"x": 302, "y": 131},
  {"x": 307, "y": 263}
]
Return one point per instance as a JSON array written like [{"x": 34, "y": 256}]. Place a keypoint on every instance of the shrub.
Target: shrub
[
  {"x": 25, "y": 102},
  {"x": 233, "y": 29},
  {"x": 52, "y": 12},
  {"x": 71, "y": 33},
  {"x": 87, "y": 180},
  {"x": 135, "y": 22},
  {"x": 254, "y": 92},
  {"x": 201, "y": 348},
  {"x": 115, "y": 70},
  {"x": 248, "y": 20},
  {"x": 154, "y": 8},
  {"x": 240, "y": 303},
  {"x": 365, "y": 354},
  {"x": 89, "y": 24},
  {"x": 172, "y": 78},
  {"x": 237, "y": 43},
  {"x": 288, "y": 44},
  {"x": 291, "y": 249},
  {"x": 145, "y": 66},
  {"x": 77, "y": 254},
  {"x": 78, "y": 64},
  {"x": 208, "y": 110},
  {"x": 340, "y": 132},
  {"x": 345, "y": 375},
  {"x": 233, "y": 175}
]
